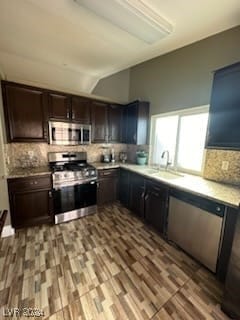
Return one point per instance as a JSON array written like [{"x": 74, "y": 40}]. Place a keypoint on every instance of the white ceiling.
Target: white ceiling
[{"x": 59, "y": 42}]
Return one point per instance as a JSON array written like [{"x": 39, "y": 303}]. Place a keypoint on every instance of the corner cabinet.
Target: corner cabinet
[
  {"x": 114, "y": 122},
  {"x": 106, "y": 122},
  {"x": 224, "y": 118},
  {"x": 30, "y": 201},
  {"x": 25, "y": 111},
  {"x": 137, "y": 193},
  {"x": 135, "y": 123},
  {"x": 124, "y": 188}
]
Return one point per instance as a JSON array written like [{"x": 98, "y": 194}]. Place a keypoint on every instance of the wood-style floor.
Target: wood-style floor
[{"x": 104, "y": 266}]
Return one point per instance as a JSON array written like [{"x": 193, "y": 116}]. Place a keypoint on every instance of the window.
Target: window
[{"x": 183, "y": 134}]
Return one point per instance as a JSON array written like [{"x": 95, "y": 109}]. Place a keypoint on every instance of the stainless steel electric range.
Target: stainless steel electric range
[{"x": 74, "y": 185}]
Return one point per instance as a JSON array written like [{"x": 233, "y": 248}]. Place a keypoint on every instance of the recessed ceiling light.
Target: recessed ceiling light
[{"x": 133, "y": 16}]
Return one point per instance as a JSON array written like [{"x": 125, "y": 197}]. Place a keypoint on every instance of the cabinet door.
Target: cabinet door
[
  {"x": 59, "y": 106},
  {"x": 25, "y": 110},
  {"x": 230, "y": 303},
  {"x": 124, "y": 187},
  {"x": 25, "y": 212},
  {"x": 124, "y": 125},
  {"x": 137, "y": 192},
  {"x": 107, "y": 190},
  {"x": 132, "y": 113},
  {"x": 114, "y": 123},
  {"x": 99, "y": 122},
  {"x": 156, "y": 206},
  {"x": 223, "y": 130},
  {"x": 81, "y": 109},
  {"x": 135, "y": 123}
]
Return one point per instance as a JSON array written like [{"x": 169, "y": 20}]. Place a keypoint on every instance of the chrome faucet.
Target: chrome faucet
[{"x": 167, "y": 162}]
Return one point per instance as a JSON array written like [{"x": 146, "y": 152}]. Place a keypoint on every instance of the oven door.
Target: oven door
[{"x": 71, "y": 202}]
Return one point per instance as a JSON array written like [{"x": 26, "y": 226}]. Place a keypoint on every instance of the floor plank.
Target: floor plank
[{"x": 104, "y": 266}]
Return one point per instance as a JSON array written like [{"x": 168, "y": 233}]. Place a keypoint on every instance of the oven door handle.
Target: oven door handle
[{"x": 60, "y": 186}]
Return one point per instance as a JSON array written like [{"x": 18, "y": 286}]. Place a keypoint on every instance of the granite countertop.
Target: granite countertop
[
  {"x": 103, "y": 165},
  {"x": 227, "y": 194},
  {"x": 27, "y": 172}
]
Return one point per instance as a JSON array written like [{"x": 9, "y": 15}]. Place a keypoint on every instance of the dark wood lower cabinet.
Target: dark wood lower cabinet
[
  {"x": 137, "y": 193},
  {"x": 156, "y": 202},
  {"x": 146, "y": 199},
  {"x": 231, "y": 298},
  {"x": 124, "y": 188},
  {"x": 107, "y": 191},
  {"x": 30, "y": 201}
]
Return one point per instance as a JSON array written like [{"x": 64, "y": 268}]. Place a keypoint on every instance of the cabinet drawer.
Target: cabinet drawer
[
  {"x": 157, "y": 190},
  {"x": 30, "y": 183},
  {"x": 107, "y": 173}
]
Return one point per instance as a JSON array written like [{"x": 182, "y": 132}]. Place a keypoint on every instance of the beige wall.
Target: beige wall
[
  {"x": 183, "y": 78},
  {"x": 115, "y": 87}
]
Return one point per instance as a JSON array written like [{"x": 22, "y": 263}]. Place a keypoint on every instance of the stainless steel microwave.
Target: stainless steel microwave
[{"x": 66, "y": 133}]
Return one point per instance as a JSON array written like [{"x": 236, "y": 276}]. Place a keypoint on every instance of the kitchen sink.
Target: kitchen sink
[
  {"x": 168, "y": 175},
  {"x": 150, "y": 171}
]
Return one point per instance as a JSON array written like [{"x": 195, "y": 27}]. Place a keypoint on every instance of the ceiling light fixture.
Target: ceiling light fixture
[{"x": 133, "y": 16}]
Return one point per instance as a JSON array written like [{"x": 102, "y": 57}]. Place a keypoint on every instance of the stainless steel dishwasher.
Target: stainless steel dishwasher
[{"x": 195, "y": 224}]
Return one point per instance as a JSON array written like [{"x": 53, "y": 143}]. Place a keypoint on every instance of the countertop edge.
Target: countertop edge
[{"x": 170, "y": 183}]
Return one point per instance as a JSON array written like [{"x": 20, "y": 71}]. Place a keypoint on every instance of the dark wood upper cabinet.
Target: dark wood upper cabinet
[
  {"x": 28, "y": 109},
  {"x": 59, "y": 106},
  {"x": 135, "y": 123},
  {"x": 99, "y": 116},
  {"x": 25, "y": 110},
  {"x": 114, "y": 122},
  {"x": 224, "y": 117},
  {"x": 81, "y": 109}
]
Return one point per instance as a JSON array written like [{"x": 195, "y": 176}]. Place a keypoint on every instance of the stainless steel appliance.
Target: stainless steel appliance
[
  {"x": 66, "y": 133},
  {"x": 195, "y": 224},
  {"x": 74, "y": 185}
]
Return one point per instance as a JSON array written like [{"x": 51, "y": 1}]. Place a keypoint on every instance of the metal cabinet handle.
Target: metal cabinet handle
[
  {"x": 106, "y": 173},
  {"x": 68, "y": 114},
  {"x": 142, "y": 195},
  {"x": 218, "y": 209},
  {"x": 73, "y": 115},
  {"x": 134, "y": 137},
  {"x": 50, "y": 194},
  {"x": 146, "y": 197},
  {"x": 155, "y": 194},
  {"x": 33, "y": 182}
]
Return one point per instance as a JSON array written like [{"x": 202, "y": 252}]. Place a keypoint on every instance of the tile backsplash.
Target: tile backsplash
[
  {"x": 35, "y": 154},
  {"x": 213, "y": 166}
]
